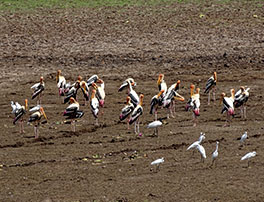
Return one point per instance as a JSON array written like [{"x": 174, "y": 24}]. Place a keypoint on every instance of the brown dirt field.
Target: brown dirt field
[{"x": 133, "y": 42}]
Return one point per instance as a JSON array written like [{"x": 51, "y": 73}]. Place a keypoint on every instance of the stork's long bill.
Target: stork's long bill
[
  {"x": 160, "y": 93},
  {"x": 141, "y": 99},
  {"x": 192, "y": 89},
  {"x": 215, "y": 76},
  {"x": 160, "y": 79},
  {"x": 26, "y": 104},
  {"x": 58, "y": 75},
  {"x": 43, "y": 113}
]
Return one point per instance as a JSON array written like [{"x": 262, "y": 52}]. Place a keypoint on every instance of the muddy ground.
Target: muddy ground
[{"x": 109, "y": 163}]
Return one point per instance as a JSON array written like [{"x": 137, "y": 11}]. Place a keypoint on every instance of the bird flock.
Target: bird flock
[{"x": 93, "y": 91}]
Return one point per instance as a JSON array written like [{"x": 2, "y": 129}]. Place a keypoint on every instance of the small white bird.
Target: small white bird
[
  {"x": 194, "y": 145},
  {"x": 202, "y": 152},
  {"x": 248, "y": 156},
  {"x": 243, "y": 137},
  {"x": 155, "y": 125},
  {"x": 157, "y": 162},
  {"x": 215, "y": 154}
]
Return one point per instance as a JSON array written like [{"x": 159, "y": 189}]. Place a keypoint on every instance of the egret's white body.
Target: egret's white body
[
  {"x": 201, "y": 149},
  {"x": 158, "y": 161},
  {"x": 155, "y": 125},
  {"x": 243, "y": 137},
  {"x": 215, "y": 153},
  {"x": 249, "y": 155},
  {"x": 196, "y": 143}
]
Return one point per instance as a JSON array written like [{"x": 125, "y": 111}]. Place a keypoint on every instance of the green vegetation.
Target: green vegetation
[{"x": 29, "y": 5}]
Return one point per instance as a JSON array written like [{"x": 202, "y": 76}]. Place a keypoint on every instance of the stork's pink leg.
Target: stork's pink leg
[{"x": 209, "y": 97}]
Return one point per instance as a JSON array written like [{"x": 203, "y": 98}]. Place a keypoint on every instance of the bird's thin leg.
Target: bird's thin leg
[
  {"x": 96, "y": 122},
  {"x": 171, "y": 109},
  {"x": 128, "y": 128},
  {"x": 138, "y": 125},
  {"x": 214, "y": 89},
  {"x": 135, "y": 129},
  {"x": 174, "y": 107},
  {"x": 22, "y": 124},
  {"x": 168, "y": 113},
  {"x": 156, "y": 115},
  {"x": 248, "y": 163},
  {"x": 245, "y": 112},
  {"x": 74, "y": 125},
  {"x": 157, "y": 131},
  {"x": 194, "y": 120},
  {"x": 209, "y": 97}
]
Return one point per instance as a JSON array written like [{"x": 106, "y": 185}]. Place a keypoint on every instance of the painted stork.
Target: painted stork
[
  {"x": 194, "y": 104},
  {"x": 95, "y": 106},
  {"x": 126, "y": 111},
  {"x": 19, "y": 112},
  {"x": 156, "y": 101},
  {"x": 73, "y": 112},
  {"x": 228, "y": 106},
  {"x": 125, "y": 84},
  {"x": 137, "y": 112},
  {"x": 162, "y": 84},
  {"x": 211, "y": 86},
  {"x": 241, "y": 98},
  {"x": 38, "y": 88},
  {"x": 170, "y": 97},
  {"x": 35, "y": 119}
]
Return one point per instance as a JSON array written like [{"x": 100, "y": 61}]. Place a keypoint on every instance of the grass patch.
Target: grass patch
[{"x": 31, "y": 5}]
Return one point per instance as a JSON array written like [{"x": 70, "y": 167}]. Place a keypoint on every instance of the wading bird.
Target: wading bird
[
  {"x": 155, "y": 125},
  {"x": 38, "y": 88},
  {"x": 19, "y": 112},
  {"x": 162, "y": 84},
  {"x": 248, "y": 156},
  {"x": 126, "y": 111},
  {"x": 228, "y": 106},
  {"x": 72, "y": 112},
  {"x": 157, "y": 163},
  {"x": 92, "y": 79},
  {"x": 211, "y": 86},
  {"x": 95, "y": 106},
  {"x": 100, "y": 92},
  {"x": 132, "y": 94},
  {"x": 35, "y": 119},
  {"x": 126, "y": 85},
  {"x": 201, "y": 149},
  {"x": 170, "y": 97},
  {"x": 243, "y": 138},
  {"x": 241, "y": 98},
  {"x": 85, "y": 91},
  {"x": 215, "y": 154},
  {"x": 194, "y": 145},
  {"x": 137, "y": 112},
  {"x": 156, "y": 101},
  {"x": 72, "y": 92},
  {"x": 194, "y": 104}
]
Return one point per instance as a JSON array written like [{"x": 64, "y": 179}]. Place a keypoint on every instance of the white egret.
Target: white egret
[
  {"x": 215, "y": 154},
  {"x": 157, "y": 162},
  {"x": 248, "y": 156}
]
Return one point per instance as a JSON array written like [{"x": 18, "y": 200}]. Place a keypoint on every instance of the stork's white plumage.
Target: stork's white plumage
[
  {"x": 156, "y": 101},
  {"x": 137, "y": 112},
  {"x": 126, "y": 111},
  {"x": 95, "y": 106},
  {"x": 241, "y": 98},
  {"x": 38, "y": 88},
  {"x": 133, "y": 95},
  {"x": 19, "y": 112},
  {"x": 211, "y": 86},
  {"x": 228, "y": 106},
  {"x": 162, "y": 84}
]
